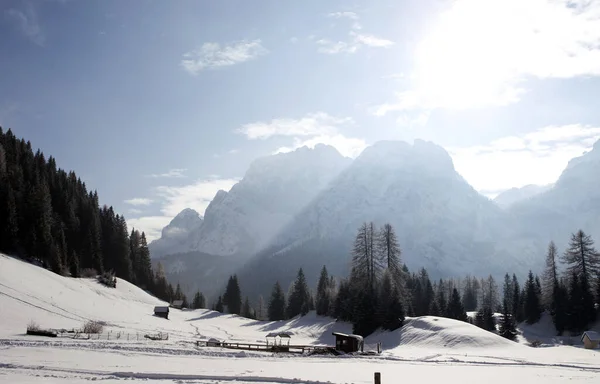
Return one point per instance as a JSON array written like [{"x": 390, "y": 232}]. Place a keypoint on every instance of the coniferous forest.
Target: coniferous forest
[
  {"x": 380, "y": 291},
  {"x": 49, "y": 216}
]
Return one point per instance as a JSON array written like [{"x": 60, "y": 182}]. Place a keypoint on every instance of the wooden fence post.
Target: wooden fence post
[{"x": 377, "y": 378}]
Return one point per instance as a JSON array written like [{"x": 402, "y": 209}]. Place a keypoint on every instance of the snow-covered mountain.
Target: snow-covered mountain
[
  {"x": 303, "y": 210},
  {"x": 174, "y": 235},
  {"x": 572, "y": 203},
  {"x": 516, "y": 195},
  {"x": 442, "y": 223},
  {"x": 274, "y": 189}
]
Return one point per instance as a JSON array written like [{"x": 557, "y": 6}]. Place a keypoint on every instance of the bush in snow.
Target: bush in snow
[
  {"x": 108, "y": 279},
  {"x": 33, "y": 326},
  {"x": 89, "y": 272},
  {"x": 93, "y": 327}
]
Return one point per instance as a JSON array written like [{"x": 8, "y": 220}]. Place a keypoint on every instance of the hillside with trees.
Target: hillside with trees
[{"x": 49, "y": 216}]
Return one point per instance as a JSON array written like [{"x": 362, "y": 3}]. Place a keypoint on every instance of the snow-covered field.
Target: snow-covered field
[{"x": 426, "y": 349}]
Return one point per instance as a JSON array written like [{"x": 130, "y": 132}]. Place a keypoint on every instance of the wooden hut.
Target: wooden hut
[
  {"x": 348, "y": 343},
  {"x": 279, "y": 341},
  {"x": 178, "y": 304},
  {"x": 161, "y": 312},
  {"x": 590, "y": 339}
]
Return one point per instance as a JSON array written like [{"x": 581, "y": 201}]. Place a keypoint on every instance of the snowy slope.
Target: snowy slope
[{"x": 427, "y": 349}]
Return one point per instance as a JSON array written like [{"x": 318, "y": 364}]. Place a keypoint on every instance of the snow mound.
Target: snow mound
[{"x": 438, "y": 332}]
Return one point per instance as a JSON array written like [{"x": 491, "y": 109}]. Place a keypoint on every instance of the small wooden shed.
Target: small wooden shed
[
  {"x": 279, "y": 341},
  {"x": 590, "y": 339},
  {"x": 161, "y": 312},
  {"x": 178, "y": 304},
  {"x": 348, "y": 343}
]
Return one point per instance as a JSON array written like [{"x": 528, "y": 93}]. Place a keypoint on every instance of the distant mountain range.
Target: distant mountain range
[{"x": 302, "y": 209}]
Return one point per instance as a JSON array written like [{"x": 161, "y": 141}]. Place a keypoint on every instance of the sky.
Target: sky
[{"x": 159, "y": 104}]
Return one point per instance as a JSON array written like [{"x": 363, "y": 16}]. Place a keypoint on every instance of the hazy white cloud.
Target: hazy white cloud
[
  {"x": 233, "y": 151},
  {"x": 408, "y": 120},
  {"x": 150, "y": 225},
  {"x": 481, "y": 53},
  {"x": 213, "y": 55},
  {"x": 538, "y": 157},
  {"x": 293, "y": 40},
  {"x": 355, "y": 40},
  {"x": 347, "y": 15},
  {"x": 313, "y": 124},
  {"x": 139, "y": 201},
  {"x": 27, "y": 21},
  {"x": 135, "y": 211},
  {"x": 196, "y": 196},
  {"x": 310, "y": 130},
  {"x": 172, "y": 173},
  {"x": 174, "y": 199}
]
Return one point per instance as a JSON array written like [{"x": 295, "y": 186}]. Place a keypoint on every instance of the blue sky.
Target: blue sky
[{"x": 158, "y": 104}]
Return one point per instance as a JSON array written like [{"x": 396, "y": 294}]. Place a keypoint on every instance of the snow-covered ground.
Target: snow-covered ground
[{"x": 426, "y": 349}]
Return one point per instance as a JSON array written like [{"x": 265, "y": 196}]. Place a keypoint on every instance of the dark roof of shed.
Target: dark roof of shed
[
  {"x": 357, "y": 337},
  {"x": 161, "y": 309},
  {"x": 279, "y": 334}
]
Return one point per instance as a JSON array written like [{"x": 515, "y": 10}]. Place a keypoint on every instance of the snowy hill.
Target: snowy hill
[
  {"x": 427, "y": 347},
  {"x": 516, "y": 195}
]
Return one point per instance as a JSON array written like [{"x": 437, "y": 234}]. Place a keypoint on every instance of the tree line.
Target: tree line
[
  {"x": 47, "y": 215},
  {"x": 380, "y": 291}
]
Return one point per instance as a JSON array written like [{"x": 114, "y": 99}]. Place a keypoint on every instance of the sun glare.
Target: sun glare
[{"x": 468, "y": 57}]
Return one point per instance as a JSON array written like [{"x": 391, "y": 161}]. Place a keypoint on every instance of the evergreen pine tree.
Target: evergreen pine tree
[
  {"x": 517, "y": 307},
  {"x": 178, "y": 293},
  {"x": 390, "y": 253},
  {"x": 233, "y": 296},
  {"x": 145, "y": 265},
  {"x": 560, "y": 308},
  {"x": 199, "y": 301},
  {"x": 440, "y": 302},
  {"x": 576, "y": 306},
  {"x": 261, "y": 310},
  {"x": 470, "y": 294},
  {"x": 455, "y": 308},
  {"x": 246, "y": 309},
  {"x": 390, "y": 311},
  {"x": 219, "y": 306},
  {"x": 532, "y": 308},
  {"x": 276, "y": 310},
  {"x": 298, "y": 300},
  {"x": 550, "y": 278},
  {"x": 323, "y": 291},
  {"x": 508, "y": 329}
]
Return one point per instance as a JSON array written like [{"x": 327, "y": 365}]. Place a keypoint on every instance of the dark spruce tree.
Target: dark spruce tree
[
  {"x": 199, "y": 301},
  {"x": 233, "y": 296},
  {"x": 455, "y": 308},
  {"x": 323, "y": 294},
  {"x": 247, "y": 310},
  {"x": 276, "y": 310},
  {"x": 508, "y": 328},
  {"x": 532, "y": 309},
  {"x": 583, "y": 260},
  {"x": 299, "y": 298},
  {"x": 390, "y": 311}
]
